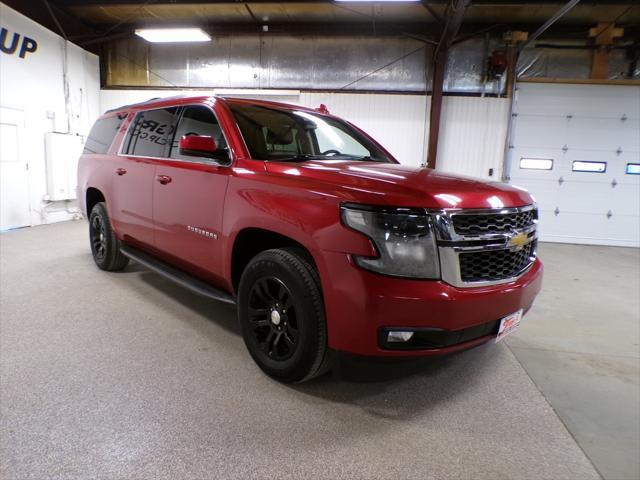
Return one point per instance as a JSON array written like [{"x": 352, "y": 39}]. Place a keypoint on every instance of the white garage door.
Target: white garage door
[{"x": 576, "y": 148}]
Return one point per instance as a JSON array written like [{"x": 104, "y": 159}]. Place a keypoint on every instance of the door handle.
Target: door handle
[
  {"x": 163, "y": 179},
  {"x": 121, "y": 171}
]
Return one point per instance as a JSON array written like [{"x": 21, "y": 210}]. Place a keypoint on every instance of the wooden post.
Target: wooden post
[
  {"x": 604, "y": 35},
  {"x": 513, "y": 40},
  {"x": 439, "y": 68},
  {"x": 452, "y": 21}
]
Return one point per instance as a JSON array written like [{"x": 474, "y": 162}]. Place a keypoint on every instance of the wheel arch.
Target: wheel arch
[
  {"x": 93, "y": 196},
  {"x": 250, "y": 241}
]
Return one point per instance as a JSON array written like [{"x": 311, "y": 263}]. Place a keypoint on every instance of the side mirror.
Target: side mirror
[{"x": 198, "y": 146}]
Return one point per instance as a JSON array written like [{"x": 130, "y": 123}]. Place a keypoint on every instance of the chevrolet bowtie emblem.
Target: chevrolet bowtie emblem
[{"x": 518, "y": 241}]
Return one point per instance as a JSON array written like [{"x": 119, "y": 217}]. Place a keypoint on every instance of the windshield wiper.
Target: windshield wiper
[
  {"x": 301, "y": 157},
  {"x": 363, "y": 158},
  {"x": 304, "y": 157}
]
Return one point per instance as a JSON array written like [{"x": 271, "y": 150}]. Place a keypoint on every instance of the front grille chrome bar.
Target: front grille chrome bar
[{"x": 452, "y": 244}]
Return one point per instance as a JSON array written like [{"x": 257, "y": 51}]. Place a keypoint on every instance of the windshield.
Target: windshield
[{"x": 294, "y": 135}]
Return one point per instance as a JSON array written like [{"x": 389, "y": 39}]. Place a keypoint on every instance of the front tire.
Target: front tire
[
  {"x": 281, "y": 313},
  {"x": 105, "y": 246}
]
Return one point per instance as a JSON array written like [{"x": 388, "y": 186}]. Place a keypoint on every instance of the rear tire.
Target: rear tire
[
  {"x": 105, "y": 246},
  {"x": 281, "y": 313}
]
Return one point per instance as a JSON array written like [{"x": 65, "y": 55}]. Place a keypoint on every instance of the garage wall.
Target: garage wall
[
  {"x": 396, "y": 121},
  {"x": 564, "y": 124},
  {"x": 471, "y": 141},
  {"x": 472, "y": 136},
  {"x": 32, "y": 101}
]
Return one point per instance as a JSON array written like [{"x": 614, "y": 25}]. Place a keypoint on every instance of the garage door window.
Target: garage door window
[
  {"x": 536, "y": 163},
  {"x": 633, "y": 168},
  {"x": 590, "y": 167}
]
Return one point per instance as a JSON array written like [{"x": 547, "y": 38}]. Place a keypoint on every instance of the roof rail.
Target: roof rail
[{"x": 143, "y": 102}]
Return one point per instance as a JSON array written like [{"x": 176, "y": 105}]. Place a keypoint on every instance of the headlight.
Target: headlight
[{"x": 404, "y": 239}]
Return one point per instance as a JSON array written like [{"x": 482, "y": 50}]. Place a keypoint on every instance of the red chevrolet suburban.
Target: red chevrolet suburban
[{"x": 318, "y": 235}]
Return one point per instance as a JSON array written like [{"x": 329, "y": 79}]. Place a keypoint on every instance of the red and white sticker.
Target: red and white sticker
[{"x": 509, "y": 324}]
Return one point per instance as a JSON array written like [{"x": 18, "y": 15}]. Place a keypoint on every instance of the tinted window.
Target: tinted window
[
  {"x": 147, "y": 137},
  {"x": 198, "y": 120},
  {"x": 281, "y": 143},
  {"x": 282, "y": 134},
  {"x": 329, "y": 139},
  {"x": 103, "y": 133}
]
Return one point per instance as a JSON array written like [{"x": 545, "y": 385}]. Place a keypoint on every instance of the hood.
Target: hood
[{"x": 400, "y": 185}]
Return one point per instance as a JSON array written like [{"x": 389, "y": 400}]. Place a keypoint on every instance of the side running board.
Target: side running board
[{"x": 178, "y": 276}]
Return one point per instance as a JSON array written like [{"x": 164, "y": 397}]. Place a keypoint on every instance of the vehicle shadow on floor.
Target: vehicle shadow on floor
[
  {"x": 222, "y": 314},
  {"x": 396, "y": 389},
  {"x": 404, "y": 389}
]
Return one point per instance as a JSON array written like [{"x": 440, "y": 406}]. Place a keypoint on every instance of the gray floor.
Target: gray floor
[
  {"x": 127, "y": 376},
  {"x": 580, "y": 347}
]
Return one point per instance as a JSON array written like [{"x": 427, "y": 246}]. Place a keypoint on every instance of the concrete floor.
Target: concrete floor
[
  {"x": 580, "y": 345},
  {"x": 124, "y": 375}
]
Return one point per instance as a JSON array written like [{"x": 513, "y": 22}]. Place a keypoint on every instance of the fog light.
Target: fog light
[{"x": 399, "y": 336}]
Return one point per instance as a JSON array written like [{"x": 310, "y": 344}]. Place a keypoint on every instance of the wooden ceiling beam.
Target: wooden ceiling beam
[{"x": 506, "y": 3}]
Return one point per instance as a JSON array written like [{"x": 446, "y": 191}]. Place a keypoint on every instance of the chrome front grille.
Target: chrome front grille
[
  {"x": 482, "y": 224},
  {"x": 486, "y": 247},
  {"x": 493, "y": 265}
]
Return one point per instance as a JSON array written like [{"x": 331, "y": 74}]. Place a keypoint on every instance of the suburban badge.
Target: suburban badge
[{"x": 203, "y": 232}]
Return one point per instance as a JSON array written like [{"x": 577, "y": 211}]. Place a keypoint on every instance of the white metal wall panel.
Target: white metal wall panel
[
  {"x": 62, "y": 152},
  {"x": 396, "y": 121},
  {"x": 471, "y": 139},
  {"x": 472, "y": 136},
  {"x": 35, "y": 85},
  {"x": 115, "y": 98},
  {"x": 581, "y": 122}
]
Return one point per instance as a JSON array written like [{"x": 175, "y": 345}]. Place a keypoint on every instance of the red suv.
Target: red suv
[{"x": 322, "y": 239}]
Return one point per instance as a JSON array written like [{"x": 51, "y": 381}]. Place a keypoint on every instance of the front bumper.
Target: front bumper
[{"x": 360, "y": 304}]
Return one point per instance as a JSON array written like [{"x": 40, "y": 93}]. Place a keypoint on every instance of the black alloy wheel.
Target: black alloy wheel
[
  {"x": 281, "y": 312},
  {"x": 97, "y": 234},
  {"x": 272, "y": 315},
  {"x": 105, "y": 246}
]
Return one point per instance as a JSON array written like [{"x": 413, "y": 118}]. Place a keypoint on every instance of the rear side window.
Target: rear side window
[
  {"x": 102, "y": 134},
  {"x": 147, "y": 136}
]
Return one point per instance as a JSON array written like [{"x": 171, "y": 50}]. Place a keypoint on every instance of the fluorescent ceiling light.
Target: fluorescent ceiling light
[
  {"x": 378, "y": 1},
  {"x": 173, "y": 35}
]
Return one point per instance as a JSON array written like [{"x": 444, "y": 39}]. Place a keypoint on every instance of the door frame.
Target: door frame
[{"x": 17, "y": 117}]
